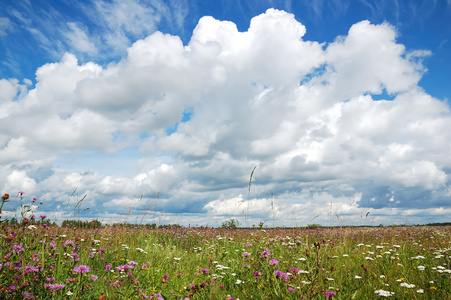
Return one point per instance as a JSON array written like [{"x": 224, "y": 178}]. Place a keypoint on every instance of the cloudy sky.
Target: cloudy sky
[{"x": 159, "y": 111}]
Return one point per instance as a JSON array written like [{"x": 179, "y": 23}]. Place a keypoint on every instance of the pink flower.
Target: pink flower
[
  {"x": 273, "y": 262},
  {"x": 330, "y": 294},
  {"x": 82, "y": 269},
  {"x": 265, "y": 254}
]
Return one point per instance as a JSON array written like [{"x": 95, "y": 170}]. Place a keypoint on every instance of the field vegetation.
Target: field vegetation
[{"x": 88, "y": 260}]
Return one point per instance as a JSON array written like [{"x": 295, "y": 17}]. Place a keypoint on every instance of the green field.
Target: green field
[{"x": 139, "y": 262}]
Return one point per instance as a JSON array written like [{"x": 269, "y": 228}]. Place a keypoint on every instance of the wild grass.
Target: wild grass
[{"x": 38, "y": 261}]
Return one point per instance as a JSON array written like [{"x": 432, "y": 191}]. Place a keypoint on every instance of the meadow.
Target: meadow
[{"x": 42, "y": 261}]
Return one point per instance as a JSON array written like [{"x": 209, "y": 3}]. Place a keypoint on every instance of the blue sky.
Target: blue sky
[{"x": 160, "y": 110}]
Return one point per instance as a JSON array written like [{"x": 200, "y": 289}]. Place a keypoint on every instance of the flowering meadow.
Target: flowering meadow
[{"x": 38, "y": 261}]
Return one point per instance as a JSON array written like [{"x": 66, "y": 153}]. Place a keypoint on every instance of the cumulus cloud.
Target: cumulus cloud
[{"x": 203, "y": 114}]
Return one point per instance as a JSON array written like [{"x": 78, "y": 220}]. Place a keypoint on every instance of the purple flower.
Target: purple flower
[
  {"x": 27, "y": 295},
  {"x": 273, "y": 262},
  {"x": 82, "y": 269},
  {"x": 69, "y": 242},
  {"x": 42, "y": 217},
  {"x": 265, "y": 254},
  {"x": 281, "y": 275},
  {"x": 204, "y": 271},
  {"x": 165, "y": 278},
  {"x": 94, "y": 277},
  {"x": 330, "y": 294},
  {"x": 18, "y": 248},
  {"x": 291, "y": 289},
  {"x": 21, "y": 193},
  {"x": 245, "y": 254},
  {"x": 124, "y": 267},
  {"x": 56, "y": 287},
  {"x": 107, "y": 267}
]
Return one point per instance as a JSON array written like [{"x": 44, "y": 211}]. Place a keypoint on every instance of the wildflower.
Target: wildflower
[
  {"x": 364, "y": 268},
  {"x": 42, "y": 217},
  {"x": 294, "y": 270},
  {"x": 421, "y": 268},
  {"x": 56, "y": 287},
  {"x": 409, "y": 286},
  {"x": 420, "y": 291},
  {"x": 204, "y": 271},
  {"x": 108, "y": 268},
  {"x": 245, "y": 254},
  {"x": 281, "y": 275},
  {"x": 165, "y": 278},
  {"x": 27, "y": 295},
  {"x": 21, "y": 193},
  {"x": 265, "y": 254},
  {"x": 273, "y": 262},
  {"x": 94, "y": 277},
  {"x": 330, "y": 294},
  {"x": 384, "y": 293},
  {"x": 82, "y": 269},
  {"x": 291, "y": 289},
  {"x": 357, "y": 277},
  {"x": 5, "y": 197}
]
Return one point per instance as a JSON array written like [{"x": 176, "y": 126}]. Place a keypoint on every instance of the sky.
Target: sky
[{"x": 195, "y": 112}]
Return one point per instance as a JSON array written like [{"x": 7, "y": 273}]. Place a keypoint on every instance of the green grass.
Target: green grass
[{"x": 209, "y": 263}]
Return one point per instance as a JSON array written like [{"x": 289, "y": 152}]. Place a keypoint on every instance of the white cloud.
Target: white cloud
[
  {"x": 5, "y": 26},
  {"x": 79, "y": 39},
  {"x": 204, "y": 114}
]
